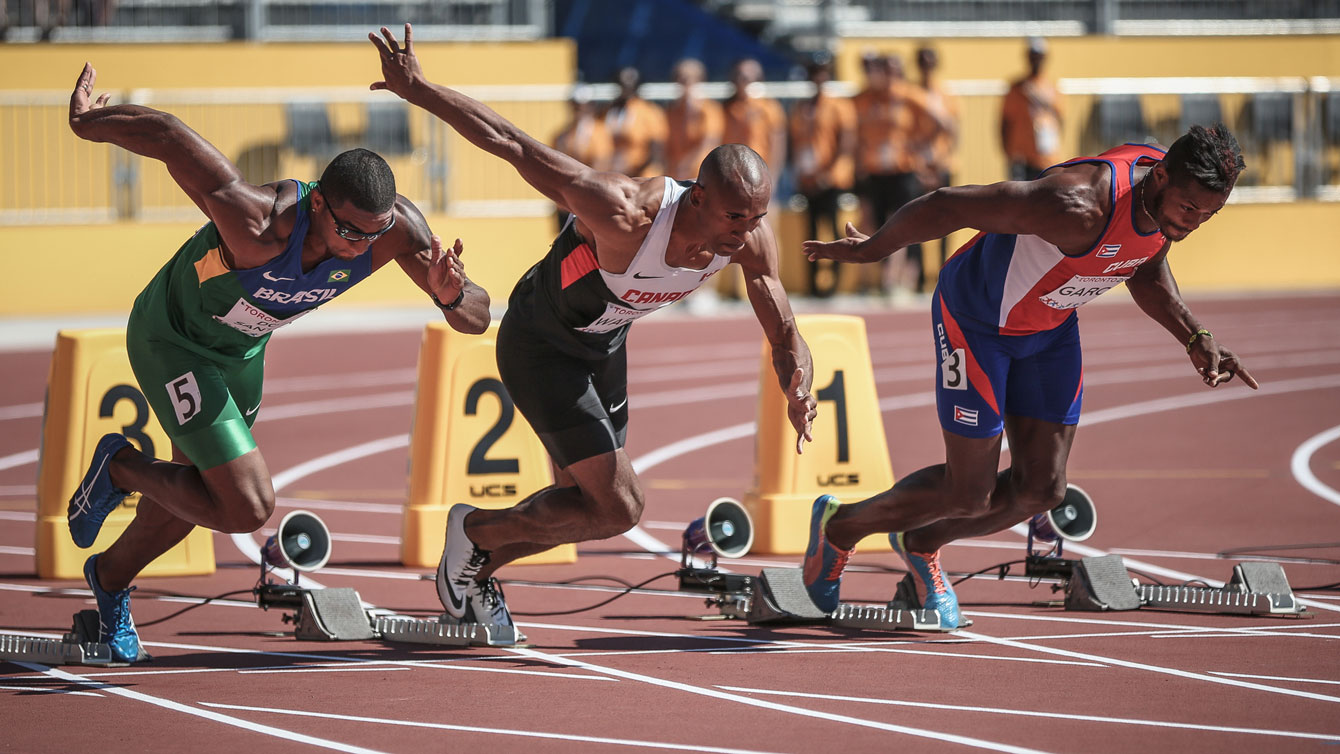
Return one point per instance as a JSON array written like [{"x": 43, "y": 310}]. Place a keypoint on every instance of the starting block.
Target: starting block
[
  {"x": 338, "y": 614},
  {"x": 79, "y": 647},
  {"x": 777, "y": 596},
  {"x": 1102, "y": 583}
]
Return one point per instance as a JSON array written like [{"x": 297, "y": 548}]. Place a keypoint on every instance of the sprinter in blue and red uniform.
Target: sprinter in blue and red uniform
[{"x": 1006, "y": 337}]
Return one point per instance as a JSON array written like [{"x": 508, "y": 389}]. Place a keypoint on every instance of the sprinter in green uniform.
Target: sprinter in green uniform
[{"x": 197, "y": 333}]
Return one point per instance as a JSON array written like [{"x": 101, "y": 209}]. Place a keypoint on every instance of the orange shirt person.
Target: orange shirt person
[
  {"x": 695, "y": 124},
  {"x": 638, "y": 128},
  {"x": 585, "y": 137},
  {"x": 1031, "y": 118},
  {"x": 757, "y": 122}
]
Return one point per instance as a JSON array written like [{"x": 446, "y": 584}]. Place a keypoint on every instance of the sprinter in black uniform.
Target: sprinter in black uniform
[{"x": 633, "y": 245}]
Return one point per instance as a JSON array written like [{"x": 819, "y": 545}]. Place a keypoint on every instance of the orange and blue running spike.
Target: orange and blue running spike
[
  {"x": 824, "y": 563},
  {"x": 937, "y": 593}
]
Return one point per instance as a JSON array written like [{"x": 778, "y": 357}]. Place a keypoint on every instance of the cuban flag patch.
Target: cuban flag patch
[
  {"x": 1109, "y": 250},
  {"x": 965, "y": 416}
]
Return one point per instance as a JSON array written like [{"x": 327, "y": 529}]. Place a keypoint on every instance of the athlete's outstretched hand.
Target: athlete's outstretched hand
[
  {"x": 800, "y": 409},
  {"x": 83, "y": 92},
  {"x": 841, "y": 250},
  {"x": 446, "y": 271},
  {"x": 400, "y": 67},
  {"x": 1217, "y": 364}
]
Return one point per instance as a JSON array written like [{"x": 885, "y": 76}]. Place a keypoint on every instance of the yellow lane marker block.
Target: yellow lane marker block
[
  {"x": 91, "y": 392},
  {"x": 849, "y": 457},
  {"x": 469, "y": 444}
]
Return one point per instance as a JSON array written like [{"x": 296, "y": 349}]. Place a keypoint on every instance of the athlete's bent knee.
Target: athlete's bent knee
[
  {"x": 1037, "y": 495},
  {"x": 247, "y": 513},
  {"x": 621, "y": 512}
]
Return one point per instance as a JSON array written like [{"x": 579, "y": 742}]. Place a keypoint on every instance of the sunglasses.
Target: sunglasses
[{"x": 353, "y": 234}]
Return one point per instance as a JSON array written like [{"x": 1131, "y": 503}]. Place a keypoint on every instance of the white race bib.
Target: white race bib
[
  {"x": 1080, "y": 290},
  {"x": 249, "y": 320},
  {"x": 615, "y": 316}
]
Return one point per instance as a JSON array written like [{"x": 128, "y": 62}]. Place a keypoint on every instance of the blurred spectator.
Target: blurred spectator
[
  {"x": 46, "y": 15},
  {"x": 823, "y": 143},
  {"x": 1030, "y": 119},
  {"x": 940, "y": 160},
  {"x": 895, "y": 130},
  {"x": 694, "y": 124},
  {"x": 757, "y": 122},
  {"x": 584, "y": 137},
  {"x": 638, "y": 128}
]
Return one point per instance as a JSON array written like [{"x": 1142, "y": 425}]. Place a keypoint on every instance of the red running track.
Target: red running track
[{"x": 1181, "y": 473}]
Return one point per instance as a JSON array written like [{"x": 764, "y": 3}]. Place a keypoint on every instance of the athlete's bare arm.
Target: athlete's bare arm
[
  {"x": 242, "y": 212},
  {"x": 790, "y": 354},
  {"x": 608, "y": 203},
  {"x": 1067, "y": 207},
  {"x": 1155, "y": 291},
  {"x": 439, "y": 271}
]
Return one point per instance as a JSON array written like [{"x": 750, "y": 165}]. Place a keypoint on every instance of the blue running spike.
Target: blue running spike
[
  {"x": 96, "y": 496},
  {"x": 934, "y": 592},
  {"x": 824, "y": 563},
  {"x": 115, "y": 626}
]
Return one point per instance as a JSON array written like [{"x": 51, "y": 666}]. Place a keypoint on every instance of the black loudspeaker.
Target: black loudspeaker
[
  {"x": 726, "y": 530},
  {"x": 302, "y": 543}
]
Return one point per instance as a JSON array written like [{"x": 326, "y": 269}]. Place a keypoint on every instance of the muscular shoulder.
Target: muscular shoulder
[{"x": 1079, "y": 196}]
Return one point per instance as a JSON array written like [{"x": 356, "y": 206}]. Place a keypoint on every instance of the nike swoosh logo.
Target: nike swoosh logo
[
  {"x": 456, "y": 602},
  {"x": 272, "y": 278},
  {"x": 622, "y": 403},
  {"x": 647, "y": 277},
  {"x": 254, "y": 410}
]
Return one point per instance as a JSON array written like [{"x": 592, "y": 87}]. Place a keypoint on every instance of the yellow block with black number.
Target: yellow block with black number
[
  {"x": 849, "y": 457},
  {"x": 469, "y": 444},
  {"x": 91, "y": 392}
]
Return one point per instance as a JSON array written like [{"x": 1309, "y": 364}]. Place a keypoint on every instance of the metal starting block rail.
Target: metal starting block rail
[
  {"x": 319, "y": 615},
  {"x": 1102, "y": 583},
  {"x": 777, "y": 596},
  {"x": 79, "y": 647}
]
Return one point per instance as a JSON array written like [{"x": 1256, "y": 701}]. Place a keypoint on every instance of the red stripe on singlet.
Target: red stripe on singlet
[
  {"x": 976, "y": 375},
  {"x": 577, "y": 264}
]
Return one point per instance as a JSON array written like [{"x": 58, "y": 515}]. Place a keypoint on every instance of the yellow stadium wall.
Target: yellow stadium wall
[
  {"x": 241, "y": 64},
  {"x": 1246, "y": 247},
  {"x": 104, "y": 267}
]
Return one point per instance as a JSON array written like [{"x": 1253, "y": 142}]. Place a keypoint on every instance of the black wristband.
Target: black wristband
[{"x": 455, "y": 302}]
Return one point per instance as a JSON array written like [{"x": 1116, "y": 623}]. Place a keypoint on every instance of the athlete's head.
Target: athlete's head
[
  {"x": 358, "y": 193},
  {"x": 731, "y": 196},
  {"x": 1193, "y": 180}
]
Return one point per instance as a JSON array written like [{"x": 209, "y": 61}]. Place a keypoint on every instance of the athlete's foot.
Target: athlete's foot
[
  {"x": 930, "y": 589},
  {"x": 96, "y": 496},
  {"x": 460, "y": 563},
  {"x": 824, "y": 563},
  {"x": 116, "y": 628}
]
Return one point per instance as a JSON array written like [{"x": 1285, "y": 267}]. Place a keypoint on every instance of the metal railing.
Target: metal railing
[
  {"x": 1289, "y": 129},
  {"x": 269, "y": 20}
]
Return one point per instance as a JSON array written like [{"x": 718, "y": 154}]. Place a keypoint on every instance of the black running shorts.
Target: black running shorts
[{"x": 578, "y": 406}]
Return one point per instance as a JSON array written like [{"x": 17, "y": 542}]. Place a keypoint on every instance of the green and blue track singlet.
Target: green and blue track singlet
[{"x": 197, "y": 334}]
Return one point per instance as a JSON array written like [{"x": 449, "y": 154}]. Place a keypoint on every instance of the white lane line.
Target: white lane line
[
  {"x": 20, "y": 411},
  {"x": 7, "y": 550},
  {"x": 1146, "y": 667},
  {"x": 1062, "y": 716},
  {"x": 290, "y": 671},
  {"x": 18, "y": 516},
  {"x": 22, "y": 458},
  {"x": 340, "y": 505},
  {"x": 17, "y": 490},
  {"x": 937, "y": 736},
  {"x": 1275, "y": 677},
  {"x": 1301, "y": 465},
  {"x": 754, "y": 646},
  {"x": 496, "y": 731},
  {"x": 280, "y": 733},
  {"x": 47, "y": 690}
]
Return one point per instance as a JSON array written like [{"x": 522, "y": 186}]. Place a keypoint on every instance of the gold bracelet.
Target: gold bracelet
[{"x": 1196, "y": 335}]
